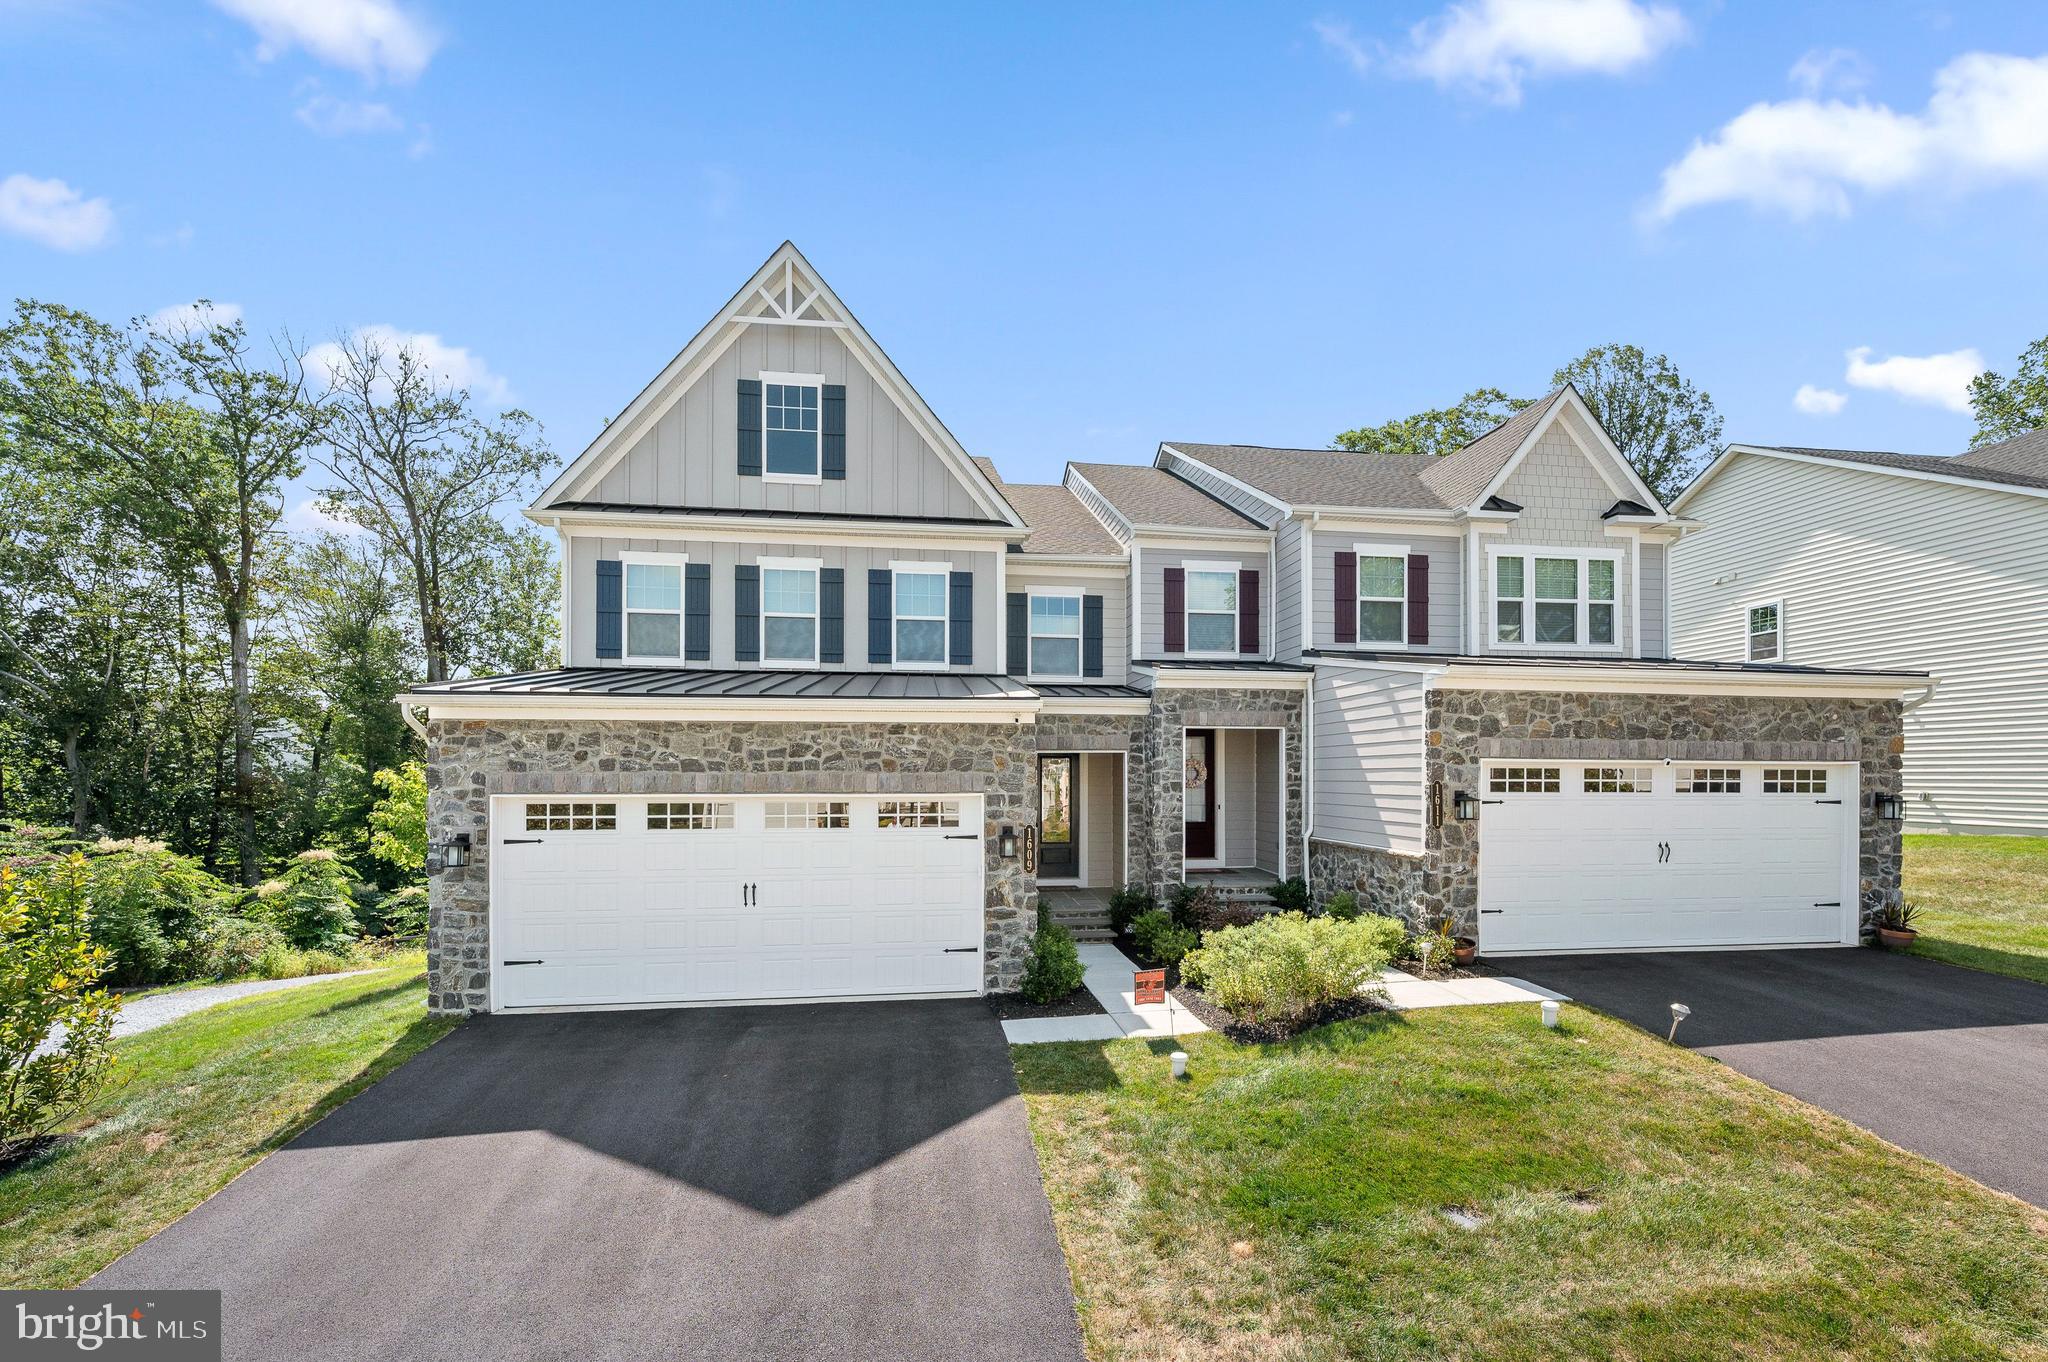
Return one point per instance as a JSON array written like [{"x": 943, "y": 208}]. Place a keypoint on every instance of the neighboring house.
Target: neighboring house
[
  {"x": 1849, "y": 558},
  {"x": 838, "y": 700}
]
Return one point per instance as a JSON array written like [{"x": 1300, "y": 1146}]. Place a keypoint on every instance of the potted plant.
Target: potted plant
[
  {"x": 1895, "y": 925},
  {"x": 1463, "y": 949}
]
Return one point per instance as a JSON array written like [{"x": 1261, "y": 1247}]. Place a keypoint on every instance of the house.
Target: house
[
  {"x": 1853, "y": 558},
  {"x": 838, "y": 701}
]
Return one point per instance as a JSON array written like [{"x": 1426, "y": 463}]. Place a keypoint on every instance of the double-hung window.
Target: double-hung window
[
  {"x": 654, "y": 604},
  {"x": 1766, "y": 632},
  {"x": 789, "y": 611},
  {"x": 1555, "y": 598},
  {"x": 1212, "y": 607},
  {"x": 1382, "y": 594},
  {"x": 789, "y": 426},
  {"x": 920, "y": 596},
  {"x": 1055, "y": 634}
]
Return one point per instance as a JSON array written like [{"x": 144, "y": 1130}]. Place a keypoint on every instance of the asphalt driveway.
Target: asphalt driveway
[
  {"x": 837, "y": 1181},
  {"x": 1949, "y": 1062}
]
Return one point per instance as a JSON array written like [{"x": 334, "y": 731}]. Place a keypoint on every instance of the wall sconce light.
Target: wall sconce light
[
  {"x": 1465, "y": 805},
  {"x": 1888, "y": 807},
  {"x": 452, "y": 854},
  {"x": 1006, "y": 843}
]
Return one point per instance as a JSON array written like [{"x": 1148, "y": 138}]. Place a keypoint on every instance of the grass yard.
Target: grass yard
[
  {"x": 1983, "y": 901},
  {"x": 192, "y": 1104},
  {"x": 1640, "y": 1202}
]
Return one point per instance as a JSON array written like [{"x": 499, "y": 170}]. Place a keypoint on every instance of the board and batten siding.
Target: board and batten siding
[
  {"x": 1367, "y": 757},
  {"x": 1236, "y": 498},
  {"x": 1889, "y": 572},
  {"x": 724, "y": 555},
  {"x": 1446, "y": 586},
  {"x": 690, "y": 456},
  {"x": 1153, "y": 563},
  {"x": 1116, "y": 636}
]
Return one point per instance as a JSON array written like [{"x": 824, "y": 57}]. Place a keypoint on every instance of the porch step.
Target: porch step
[
  {"x": 1079, "y": 918},
  {"x": 1091, "y": 933}
]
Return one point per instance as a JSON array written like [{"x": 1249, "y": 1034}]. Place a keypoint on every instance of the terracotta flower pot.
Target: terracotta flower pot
[
  {"x": 1465, "y": 951},
  {"x": 1896, "y": 938}
]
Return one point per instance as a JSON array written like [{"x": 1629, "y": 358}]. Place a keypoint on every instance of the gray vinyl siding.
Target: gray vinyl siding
[
  {"x": 1288, "y": 537},
  {"x": 1102, "y": 820},
  {"x": 724, "y": 555},
  {"x": 1238, "y": 796},
  {"x": 1153, "y": 563},
  {"x": 1271, "y": 818},
  {"x": 1368, "y": 757},
  {"x": 1882, "y": 571},
  {"x": 690, "y": 456},
  {"x": 1113, "y": 590},
  {"x": 1446, "y": 585},
  {"x": 1234, "y": 497},
  {"x": 1655, "y": 579}
]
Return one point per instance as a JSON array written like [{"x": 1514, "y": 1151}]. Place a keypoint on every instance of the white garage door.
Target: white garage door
[
  {"x": 1580, "y": 857},
  {"x": 644, "y": 899}
]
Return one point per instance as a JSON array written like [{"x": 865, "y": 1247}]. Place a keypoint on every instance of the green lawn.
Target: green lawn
[
  {"x": 1983, "y": 901},
  {"x": 1641, "y": 1202},
  {"x": 192, "y": 1104}
]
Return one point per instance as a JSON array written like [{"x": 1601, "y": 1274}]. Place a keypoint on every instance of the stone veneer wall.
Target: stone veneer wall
[
  {"x": 468, "y": 761},
  {"x": 1158, "y": 770},
  {"x": 1390, "y": 882}
]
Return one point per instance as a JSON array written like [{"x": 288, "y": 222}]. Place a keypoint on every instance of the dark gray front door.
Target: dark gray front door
[{"x": 1056, "y": 855}]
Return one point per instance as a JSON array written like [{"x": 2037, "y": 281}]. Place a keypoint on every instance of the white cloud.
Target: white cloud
[
  {"x": 450, "y": 364},
  {"x": 374, "y": 38},
  {"x": 1338, "y": 37},
  {"x": 1493, "y": 46},
  {"x": 1819, "y": 401},
  {"x": 182, "y": 317},
  {"x": 1343, "y": 118},
  {"x": 331, "y": 117},
  {"x": 1829, "y": 68},
  {"x": 309, "y": 517},
  {"x": 1940, "y": 380},
  {"x": 53, "y": 213},
  {"x": 1986, "y": 122}
]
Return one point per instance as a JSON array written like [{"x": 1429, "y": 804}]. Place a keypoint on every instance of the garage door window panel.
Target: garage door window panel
[
  {"x": 1526, "y": 780},
  {"x": 794, "y": 815},
  {"x": 918, "y": 813},
  {"x": 1605, "y": 780},
  {"x": 690, "y": 816},
  {"x": 1795, "y": 780},
  {"x": 572, "y": 816},
  {"x": 1710, "y": 780}
]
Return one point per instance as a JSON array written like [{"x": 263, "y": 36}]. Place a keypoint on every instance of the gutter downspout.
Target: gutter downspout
[{"x": 1933, "y": 684}]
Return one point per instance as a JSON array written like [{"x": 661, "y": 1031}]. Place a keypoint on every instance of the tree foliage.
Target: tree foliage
[
  {"x": 2010, "y": 407},
  {"x": 398, "y": 823},
  {"x": 50, "y": 971},
  {"x": 1436, "y": 432},
  {"x": 1664, "y": 426}
]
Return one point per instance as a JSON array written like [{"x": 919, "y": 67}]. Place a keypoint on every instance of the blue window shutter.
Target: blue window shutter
[
  {"x": 610, "y": 598},
  {"x": 962, "y": 616},
  {"x": 750, "y": 427},
  {"x": 831, "y": 615},
  {"x": 746, "y": 613},
  {"x": 833, "y": 460},
  {"x": 1020, "y": 643},
  {"x": 881, "y": 617},
  {"x": 697, "y": 612},
  {"x": 1091, "y": 636}
]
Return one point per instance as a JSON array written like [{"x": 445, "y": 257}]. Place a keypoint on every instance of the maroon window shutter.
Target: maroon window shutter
[
  {"x": 1248, "y": 610},
  {"x": 1176, "y": 610},
  {"x": 1347, "y": 598},
  {"x": 1418, "y": 598}
]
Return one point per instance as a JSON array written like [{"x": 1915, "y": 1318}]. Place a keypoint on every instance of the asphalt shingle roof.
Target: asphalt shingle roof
[
  {"x": 1059, "y": 522},
  {"x": 1145, "y": 495},
  {"x": 2026, "y": 454},
  {"x": 1959, "y": 466}
]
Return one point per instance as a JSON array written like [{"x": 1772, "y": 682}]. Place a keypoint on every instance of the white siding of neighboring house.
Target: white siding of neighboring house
[
  {"x": 1025, "y": 577},
  {"x": 1368, "y": 757},
  {"x": 1446, "y": 585},
  {"x": 1888, "y": 572}
]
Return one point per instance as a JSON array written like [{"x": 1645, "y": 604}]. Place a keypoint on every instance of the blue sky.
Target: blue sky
[{"x": 1078, "y": 229}]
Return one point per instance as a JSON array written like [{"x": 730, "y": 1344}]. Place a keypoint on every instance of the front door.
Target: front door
[
  {"x": 1198, "y": 796},
  {"x": 1056, "y": 857}
]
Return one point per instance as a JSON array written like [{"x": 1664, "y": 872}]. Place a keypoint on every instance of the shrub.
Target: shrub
[
  {"x": 400, "y": 914},
  {"x": 314, "y": 903},
  {"x": 150, "y": 909},
  {"x": 1159, "y": 940},
  {"x": 1191, "y": 903},
  {"x": 49, "y": 976},
  {"x": 1216, "y": 912},
  {"x": 1290, "y": 895},
  {"x": 1127, "y": 904},
  {"x": 1286, "y": 965},
  {"x": 1055, "y": 968},
  {"x": 1343, "y": 906},
  {"x": 232, "y": 947}
]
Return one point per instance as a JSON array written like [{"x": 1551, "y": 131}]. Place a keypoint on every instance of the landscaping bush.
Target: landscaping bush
[
  {"x": 1191, "y": 903},
  {"x": 1343, "y": 906},
  {"x": 235, "y": 947},
  {"x": 150, "y": 909},
  {"x": 1290, "y": 895},
  {"x": 1159, "y": 940},
  {"x": 49, "y": 977},
  {"x": 1127, "y": 904},
  {"x": 1285, "y": 966},
  {"x": 401, "y": 914},
  {"x": 313, "y": 904},
  {"x": 1215, "y": 912},
  {"x": 1055, "y": 968}
]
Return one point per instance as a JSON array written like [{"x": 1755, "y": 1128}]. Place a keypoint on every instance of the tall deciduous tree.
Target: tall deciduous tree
[
  {"x": 415, "y": 465},
  {"x": 2010, "y": 407},
  {"x": 1436, "y": 432},
  {"x": 1662, "y": 424}
]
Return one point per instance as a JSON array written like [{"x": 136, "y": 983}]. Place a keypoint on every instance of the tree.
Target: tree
[
  {"x": 1661, "y": 423},
  {"x": 398, "y": 823},
  {"x": 2007, "y": 408},
  {"x": 49, "y": 983},
  {"x": 414, "y": 465},
  {"x": 1436, "y": 432}
]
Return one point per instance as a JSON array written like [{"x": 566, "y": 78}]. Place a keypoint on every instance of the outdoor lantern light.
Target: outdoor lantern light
[
  {"x": 1465, "y": 805},
  {"x": 1006, "y": 843},
  {"x": 456, "y": 855},
  {"x": 1889, "y": 807}
]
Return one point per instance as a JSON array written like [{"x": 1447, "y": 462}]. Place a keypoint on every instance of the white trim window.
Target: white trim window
[
  {"x": 1382, "y": 594},
  {"x": 789, "y": 611},
  {"x": 790, "y": 408},
  {"x": 653, "y": 598},
  {"x": 1210, "y": 608},
  {"x": 1764, "y": 632},
  {"x": 1054, "y": 640},
  {"x": 918, "y": 596},
  {"x": 1557, "y": 599}
]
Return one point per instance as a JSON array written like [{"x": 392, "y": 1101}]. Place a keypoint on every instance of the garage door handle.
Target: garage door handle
[
  {"x": 963, "y": 837},
  {"x": 521, "y": 841},
  {"x": 1488, "y": 912},
  {"x": 1827, "y": 801},
  {"x": 960, "y": 950},
  {"x": 1836, "y": 904},
  {"x": 522, "y": 962}
]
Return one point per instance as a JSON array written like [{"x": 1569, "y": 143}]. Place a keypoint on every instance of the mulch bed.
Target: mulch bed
[
  {"x": 1016, "y": 1007},
  {"x": 27, "y": 1151}
]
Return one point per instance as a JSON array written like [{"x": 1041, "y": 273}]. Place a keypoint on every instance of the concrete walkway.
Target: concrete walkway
[
  {"x": 1405, "y": 992},
  {"x": 148, "y": 1011}
]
